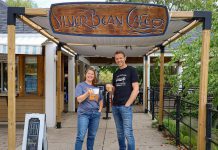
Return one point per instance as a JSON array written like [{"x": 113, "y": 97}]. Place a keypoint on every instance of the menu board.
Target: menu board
[
  {"x": 34, "y": 137},
  {"x": 33, "y": 134}
]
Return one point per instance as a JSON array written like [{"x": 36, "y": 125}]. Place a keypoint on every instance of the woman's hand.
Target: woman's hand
[
  {"x": 81, "y": 98},
  {"x": 90, "y": 91}
]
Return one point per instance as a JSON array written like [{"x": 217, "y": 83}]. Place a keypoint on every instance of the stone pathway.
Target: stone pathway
[{"x": 146, "y": 137}]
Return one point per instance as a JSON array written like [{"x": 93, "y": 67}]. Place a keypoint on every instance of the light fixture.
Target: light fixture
[{"x": 94, "y": 46}]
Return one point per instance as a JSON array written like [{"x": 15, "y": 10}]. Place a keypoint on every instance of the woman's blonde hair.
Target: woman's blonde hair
[{"x": 94, "y": 81}]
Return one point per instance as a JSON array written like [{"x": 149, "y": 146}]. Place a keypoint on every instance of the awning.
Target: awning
[{"x": 30, "y": 44}]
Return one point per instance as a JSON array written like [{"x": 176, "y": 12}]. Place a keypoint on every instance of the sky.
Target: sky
[{"x": 47, "y": 3}]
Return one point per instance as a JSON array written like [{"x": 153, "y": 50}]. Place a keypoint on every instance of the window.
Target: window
[
  {"x": 4, "y": 74},
  {"x": 31, "y": 74}
]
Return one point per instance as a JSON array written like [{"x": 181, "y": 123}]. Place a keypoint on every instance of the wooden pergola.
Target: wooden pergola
[{"x": 30, "y": 17}]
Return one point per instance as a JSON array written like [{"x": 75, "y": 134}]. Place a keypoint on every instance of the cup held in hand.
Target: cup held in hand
[
  {"x": 95, "y": 94},
  {"x": 93, "y": 97},
  {"x": 109, "y": 87}
]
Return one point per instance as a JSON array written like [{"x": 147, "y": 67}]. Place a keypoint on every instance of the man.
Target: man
[{"x": 125, "y": 89}]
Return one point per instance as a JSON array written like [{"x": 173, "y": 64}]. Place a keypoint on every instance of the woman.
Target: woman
[{"x": 89, "y": 109}]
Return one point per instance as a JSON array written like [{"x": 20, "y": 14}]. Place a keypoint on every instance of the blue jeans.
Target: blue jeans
[
  {"x": 87, "y": 121},
  {"x": 123, "y": 121}
]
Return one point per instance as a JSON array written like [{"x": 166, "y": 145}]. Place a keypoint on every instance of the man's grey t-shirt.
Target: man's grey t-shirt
[{"x": 87, "y": 105}]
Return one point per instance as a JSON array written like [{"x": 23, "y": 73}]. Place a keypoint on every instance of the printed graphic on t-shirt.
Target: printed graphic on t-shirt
[{"x": 121, "y": 80}]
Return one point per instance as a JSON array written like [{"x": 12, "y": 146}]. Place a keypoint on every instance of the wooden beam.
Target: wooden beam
[
  {"x": 43, "y": 32},
  {"x": 182, "y": 32},
  {"x": 36, "y": 11},
  {"x": 181, "y": 14},
  {"x": 203, "y": 90},
  {"x": 11, "y": 89},
  {"x": 58, "y": 104},
  {"x": 21, "y": 72},
  {"x": 177, "y": 35},
  {"x": 38, "y": 28},
  {"x": 40, "y": 75},
  {"x": 161, "y": 98}
]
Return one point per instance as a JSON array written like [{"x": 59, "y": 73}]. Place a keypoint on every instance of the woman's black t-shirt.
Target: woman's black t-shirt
[{"x": 122, "y": 81}]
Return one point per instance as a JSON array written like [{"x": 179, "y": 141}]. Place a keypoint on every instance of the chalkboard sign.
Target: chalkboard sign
[
  {"x": 33, "y": 134},
  {"x": 34, "y": 137}
]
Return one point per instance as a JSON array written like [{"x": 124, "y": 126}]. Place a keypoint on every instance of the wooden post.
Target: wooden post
[
  {"x": 62, "y": 83},
  {"x": 62, "y": 73},
  {"x": 161, "y": 100},
  {"x": 11, "y": 23},
  {"x": 11, "y": 89},
  {"x": 58, "y": 104},
  {"x": 40, "y": 74},
  {"x": 203, "y": 90},
  {"x": 76, "y": 81},
  {"x": 21, "y": 71},
  {"x": 145, "y": 103}
]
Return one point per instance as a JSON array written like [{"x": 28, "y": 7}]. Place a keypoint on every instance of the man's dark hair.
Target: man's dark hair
[{"x": 119, "y": 52}]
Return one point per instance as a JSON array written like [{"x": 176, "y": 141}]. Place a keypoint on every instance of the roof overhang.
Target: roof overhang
[{"x": 180, "y": 22}]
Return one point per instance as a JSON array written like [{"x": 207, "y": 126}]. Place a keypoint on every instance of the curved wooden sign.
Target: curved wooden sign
[{"x": 109, "y": 19}]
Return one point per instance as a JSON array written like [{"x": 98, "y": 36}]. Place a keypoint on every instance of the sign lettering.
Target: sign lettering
[
  {"x": 108, "y": 19},
  {"x": 33, "y": 133}
]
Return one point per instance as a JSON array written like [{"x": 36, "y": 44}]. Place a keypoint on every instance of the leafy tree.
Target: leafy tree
[
  {"x": 105, "y": 77},
  {"x": 189, "y": 54},
  {"x": 21, "y": 3}
]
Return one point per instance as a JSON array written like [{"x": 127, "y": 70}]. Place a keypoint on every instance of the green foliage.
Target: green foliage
[
  {"x": 139, "y": 70},
  {"x": 21, "y": 3},
  {"x": 107, "y": 71},
  {"x": 189, "y": 54},
  {"x": 155, "y": 73},
  {"x": 186, "y": 136},
  {"x": 189, "y": 57},
  {"x": 170, "y": 124},
  {"x": 105, "y": 77},
  {"x": 111, "y": 69},
  {"x": 214, "y": 147}
]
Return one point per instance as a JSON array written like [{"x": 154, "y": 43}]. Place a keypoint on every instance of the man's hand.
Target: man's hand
[
  {"x": 127, "y": 105},
  {"x": 133, "y": 95},
  {"x": 109, "y": 87}
]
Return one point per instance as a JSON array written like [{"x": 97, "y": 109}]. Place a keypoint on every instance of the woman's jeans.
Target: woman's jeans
[
  {"x": 123, "y": 121},
  {"x": 87, "y": 121}
]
